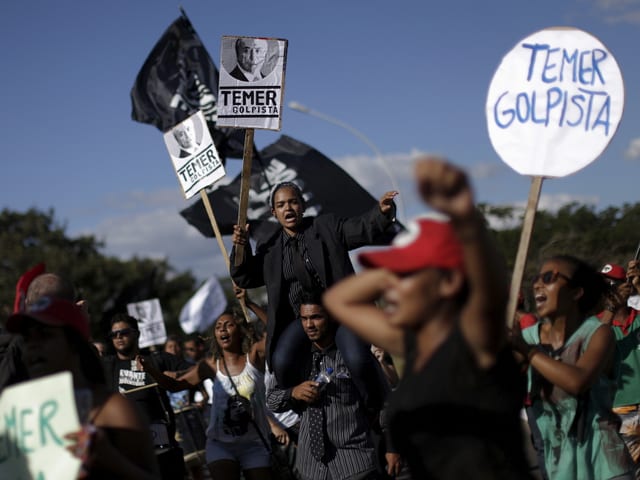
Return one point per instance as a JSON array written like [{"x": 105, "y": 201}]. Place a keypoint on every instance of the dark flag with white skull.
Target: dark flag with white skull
[
  {"x": 177, "y": 79},
  {"x": 325, "y": 186}
]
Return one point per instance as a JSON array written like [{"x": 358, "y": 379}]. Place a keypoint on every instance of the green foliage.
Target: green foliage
[
  {"x": 106, "y": 283},
  {"x": 607, "y": 236}
]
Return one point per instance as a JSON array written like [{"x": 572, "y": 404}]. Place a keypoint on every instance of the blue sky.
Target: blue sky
[{"x": 411, "y": 76}]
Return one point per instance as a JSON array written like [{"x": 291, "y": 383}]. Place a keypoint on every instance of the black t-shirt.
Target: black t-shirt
[
  {"x": 153, "y": 402},
  {"x": 454, "y": 420}
]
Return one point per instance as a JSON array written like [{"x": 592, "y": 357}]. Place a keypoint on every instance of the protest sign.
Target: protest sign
[
  {"x": 34, "y": 418},
  {"x": 150, "y": 322},
  {"x": 555, "y": 102},
  {"x": 194, "y": 155},
  {"x": 251, "y": 83},
  {"x": 553, "y": 106}
]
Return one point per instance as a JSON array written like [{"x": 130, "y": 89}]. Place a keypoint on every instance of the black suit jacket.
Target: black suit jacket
[{"x": 328, "y": 239}]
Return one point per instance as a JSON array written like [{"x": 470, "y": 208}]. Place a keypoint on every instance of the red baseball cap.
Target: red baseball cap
[
  {"x": 613, "y": 271},
  {"x": 55, "y": 312},
  {"x": 427, "y": 242}
]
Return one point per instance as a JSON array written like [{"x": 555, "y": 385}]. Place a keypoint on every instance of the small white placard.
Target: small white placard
[
  {"x": 194, "y": 155},
  {"x": 150, "y": 322},
  {"x": 34, "y": 418}
]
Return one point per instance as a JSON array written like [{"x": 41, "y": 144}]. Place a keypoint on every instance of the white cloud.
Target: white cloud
[
  {"x": 550, "y": 203},
  {"x": 633, "y": 150},
  {"x": 149, "y": 224},
  {"x": 481, "y": 171},
  {"x": 618, "y": 11}
]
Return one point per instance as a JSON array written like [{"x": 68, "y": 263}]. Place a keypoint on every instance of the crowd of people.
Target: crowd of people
[{"x": 406, "y": 369}]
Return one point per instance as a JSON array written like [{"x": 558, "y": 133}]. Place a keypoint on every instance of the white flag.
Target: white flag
[
  {"x": 201, "y": 311},
  {"x": 150, "y": 322}
]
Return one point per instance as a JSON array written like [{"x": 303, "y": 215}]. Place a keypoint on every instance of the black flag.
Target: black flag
[
  {"x": 177, "y": 79},
  {"x": 326, "y": 188}
]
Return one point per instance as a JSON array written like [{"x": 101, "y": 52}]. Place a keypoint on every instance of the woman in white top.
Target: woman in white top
[{"x": 239, "y": 425}]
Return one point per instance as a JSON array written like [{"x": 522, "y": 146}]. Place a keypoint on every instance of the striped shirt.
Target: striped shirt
[
  {"x": 298, "y": 285},
  {"x": 349, "y": 449}
]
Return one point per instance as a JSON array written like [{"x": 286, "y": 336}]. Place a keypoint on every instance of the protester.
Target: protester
[
  {"x": 284, "y": 425},
  {"x": 194, "y": 348},
  {"x": 56, "y": 334},
  {"x": 455, "y": 412},
  {"x": 570, "y": 354},
  {"x": 625, "y": 323},
  {"x": 32, "y": 285},
  {"x": 309, "y": 253},
  {"x": 178, "y": 400},
  {"x": 335, "y": 439},
  {"x": 124, "y": 374},
  {"x": 238, "y": 432}
]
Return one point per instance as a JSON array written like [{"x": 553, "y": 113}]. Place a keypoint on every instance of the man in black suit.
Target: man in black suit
[
  {"x": 309, "y": 253},
  {"x": 251, "y": 54}
]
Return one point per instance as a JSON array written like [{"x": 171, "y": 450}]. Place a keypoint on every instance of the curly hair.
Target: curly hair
[{"x": 245, "y": 329}]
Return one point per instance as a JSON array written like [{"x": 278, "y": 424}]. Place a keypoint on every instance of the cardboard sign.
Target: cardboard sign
[
  {"x": 251, "y": 84},
  {"x": 34, "y": 418},
  {"x": 150, "y": 322},
  {"x": 554, "y": 103},
  {"x": 194, "y": 155}
]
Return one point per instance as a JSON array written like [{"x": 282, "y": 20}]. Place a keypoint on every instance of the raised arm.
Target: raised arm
[
  {"x": 174, "y": 381},
  {"x": 447, "y": 189},
  {"x": 241, "y": 295},
  {"x": 351, "y": 302},
  {"x": 575, "y": 379}
]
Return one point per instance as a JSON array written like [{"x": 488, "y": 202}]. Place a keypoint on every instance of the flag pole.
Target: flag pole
[
  {"x": 245, "y": 184},
  {"x": 523, "y": 248},
  {"x": 214, "y": 225}
]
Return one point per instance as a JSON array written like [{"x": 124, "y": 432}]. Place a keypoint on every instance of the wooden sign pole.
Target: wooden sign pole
[
  {"x": 523, "y": 248},
  {"x": 245, "y": 185}
]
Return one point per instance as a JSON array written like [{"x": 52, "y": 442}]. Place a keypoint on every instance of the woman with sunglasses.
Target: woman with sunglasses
[
  {"x": 570, "y": 354},
  {"x": 455, "y": 412}
]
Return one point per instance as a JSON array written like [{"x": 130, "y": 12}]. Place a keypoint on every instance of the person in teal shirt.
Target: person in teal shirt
[
  {"x": 570, "y": 354},
  {"x": 625, "y": 323}
]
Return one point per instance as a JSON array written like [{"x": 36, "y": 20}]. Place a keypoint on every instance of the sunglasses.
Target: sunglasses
[
  {"x": 549, "y": 277},
  {"x": 123, "y": 332}
]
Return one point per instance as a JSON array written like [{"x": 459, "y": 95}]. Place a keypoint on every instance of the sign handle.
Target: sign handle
[
  {"x": 245, "y": 185},
  {"x": 214, "y": 225},
  {"x": 523, "y": 248}
]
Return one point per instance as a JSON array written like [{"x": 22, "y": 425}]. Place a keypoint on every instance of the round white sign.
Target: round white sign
[{"x": 554, "y": 102}]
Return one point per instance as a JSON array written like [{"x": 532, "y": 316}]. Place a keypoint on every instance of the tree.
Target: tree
[
  {"x": 607, "y": 236},
  {"x": 107, "y": 283}
]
